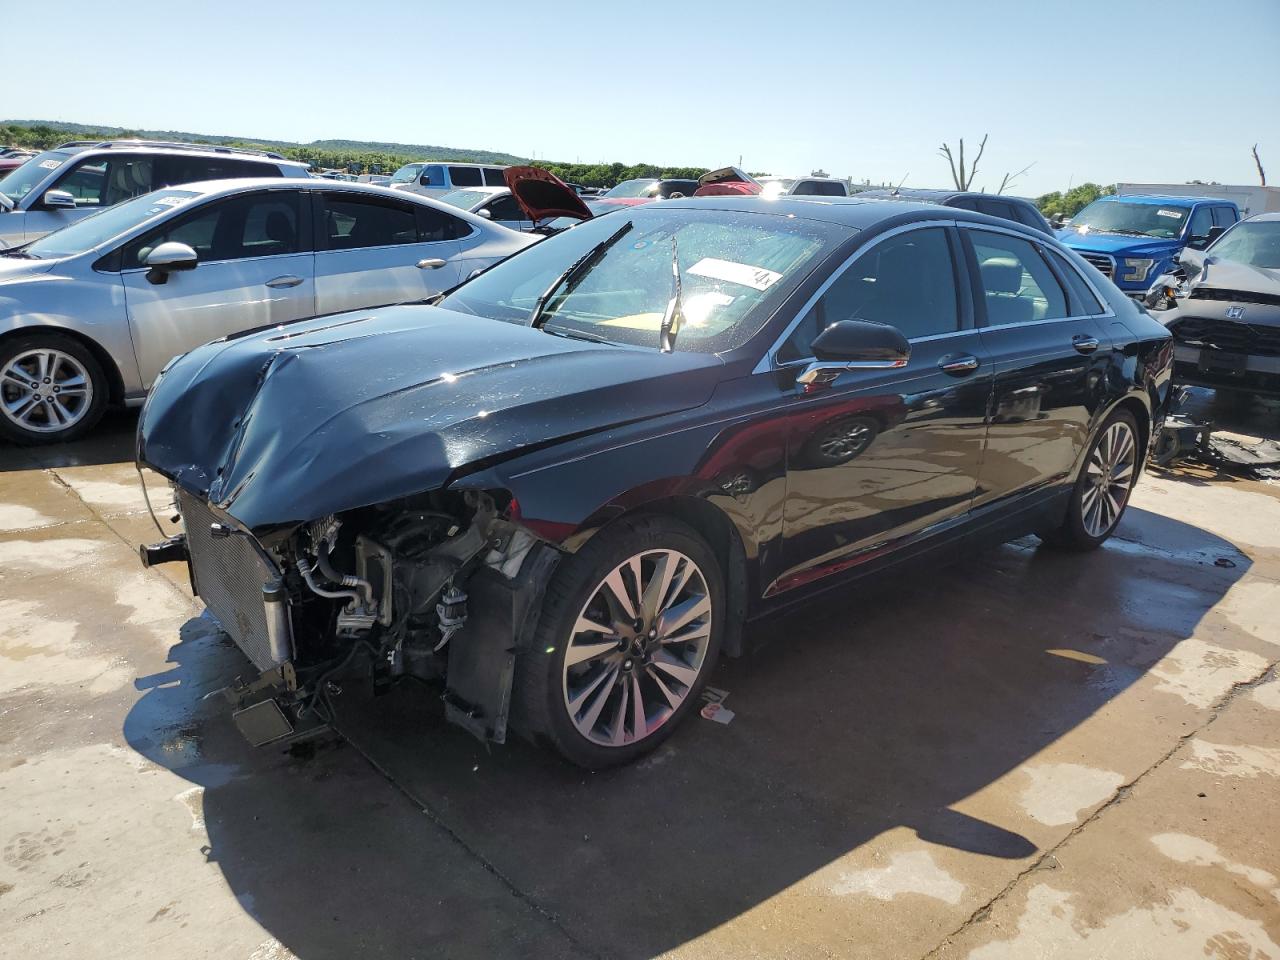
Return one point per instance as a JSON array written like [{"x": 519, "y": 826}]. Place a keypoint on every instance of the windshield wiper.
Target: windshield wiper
[
  {"x": 576, "y": 271},
  {"x": 18, "y": 252},
  {"x": 673, "y": 316},
  {"x": 578, "y": 335}
]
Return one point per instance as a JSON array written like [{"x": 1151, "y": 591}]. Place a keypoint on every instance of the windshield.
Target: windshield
[
  {"x": 735, "y": 268},
  {"x": 408, "y": 172},
  {"x": 1256, "y": 243},
  {"x": 98, "y": 228},
  {"x": 466, "y": 199},
  {"x": 628, "y": 189},
  {"x": 1136, "y": 219},
  {"x": 22, "y": 180}
]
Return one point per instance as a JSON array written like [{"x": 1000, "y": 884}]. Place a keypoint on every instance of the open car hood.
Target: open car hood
[
  {"x": 293, "y": 423},
  {"x": 541, "y": 194},
  {"x": 727, "y": 181}
]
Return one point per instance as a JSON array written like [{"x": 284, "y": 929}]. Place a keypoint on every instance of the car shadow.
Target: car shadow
[
  {"x": 110, "y": 442},
  {"x": 856, "y": 714}
]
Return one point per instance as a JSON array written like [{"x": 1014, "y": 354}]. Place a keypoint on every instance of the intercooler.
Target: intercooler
[{"x": 237, "y": 586}]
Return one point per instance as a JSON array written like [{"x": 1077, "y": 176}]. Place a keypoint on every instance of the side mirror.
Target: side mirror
[
  {"x": 168, "y": 257},
  {"x": 486, "y": 213},
  {"x": 1192, "y": 261},
  {"x": 58, "y": 200},
  {"x": 854, "y": 345}
]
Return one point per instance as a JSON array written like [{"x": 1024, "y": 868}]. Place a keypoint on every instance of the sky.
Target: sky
[{"x": 1087, "y": 90}]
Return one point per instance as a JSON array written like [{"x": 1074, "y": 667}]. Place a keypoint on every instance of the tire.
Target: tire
[
  {"x": 585, "y": 707},
  {"x": 34, "y": 364},
  {"x": 1095, "y": 508}
]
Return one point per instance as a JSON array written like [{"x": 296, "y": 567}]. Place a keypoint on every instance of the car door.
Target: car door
[
  {"x": 254, "y": 269},
  {"x": 1049, "y": 350},
  {"x": 878, "y": 459},
  {"x": 373, "y": 250}
]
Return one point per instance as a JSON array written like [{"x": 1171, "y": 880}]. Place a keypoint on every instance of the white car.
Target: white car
[
  {"x": 437, "y": 179},
  {"x": 91, "y": 313},
  {"x": 496, "y": 204}
]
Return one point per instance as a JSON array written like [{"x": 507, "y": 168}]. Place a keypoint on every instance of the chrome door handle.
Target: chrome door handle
[
  {"x": 431, "y": 264},
  {"x": 1084, "y": 343},
  {"x": 287, "y": 281},
  {"x": 958, "y": 365}
]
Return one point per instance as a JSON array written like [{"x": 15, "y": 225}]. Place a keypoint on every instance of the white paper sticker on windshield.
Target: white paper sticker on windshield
[
  {"x": 1169, "y": 213},
  {"x": 757, "y": 278},
  {"x": 50, "y": 164},
  {"x": 171, "y": 201}
]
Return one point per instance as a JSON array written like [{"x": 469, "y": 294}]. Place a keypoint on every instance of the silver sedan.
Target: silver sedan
[{"x": 90, "y": 314}]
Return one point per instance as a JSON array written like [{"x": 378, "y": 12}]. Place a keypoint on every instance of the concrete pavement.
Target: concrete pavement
[{"x": 1033, "y": 755}]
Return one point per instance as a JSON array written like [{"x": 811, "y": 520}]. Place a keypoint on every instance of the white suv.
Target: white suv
[
  {"x": 437, "y": 179},
  {"x": 71, "y": 181}
]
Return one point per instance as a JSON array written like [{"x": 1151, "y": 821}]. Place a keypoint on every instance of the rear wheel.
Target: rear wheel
[
  {"x": 1101, "y": 493},
  {"x": 52, "y": 389},
  {"x": 629, "y": 631}
]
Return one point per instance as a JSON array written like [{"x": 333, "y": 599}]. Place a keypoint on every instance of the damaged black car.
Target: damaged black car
[
  {"x": 558, "y": 494},
  {"x": 1222, "y": 305}
]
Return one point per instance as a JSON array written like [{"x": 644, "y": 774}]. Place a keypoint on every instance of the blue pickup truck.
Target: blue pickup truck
[{"x": 1134, "y": 239}]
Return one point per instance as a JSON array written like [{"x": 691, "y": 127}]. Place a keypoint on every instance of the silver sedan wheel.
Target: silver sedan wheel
[
  {"x": 637, "y": 648},
  {"x": 1110, "y": 476},
  {"x": 45, "y": 390}
]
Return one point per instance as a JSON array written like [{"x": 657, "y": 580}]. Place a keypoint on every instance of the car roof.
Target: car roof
[
  {"x": 78, "y": 147},
  {"x": 1164, "y": 201},
  {"x": 937, "y": 195},
  {"x": 1268, "y": 217},
  {"x": 211, "y": 188},
  {"x": 857, "y": 212}
]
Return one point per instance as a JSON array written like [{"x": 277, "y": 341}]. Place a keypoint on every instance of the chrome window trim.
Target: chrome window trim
[
  {"x": 770, "y": 362},
  {"x": 1108, "y": 310}
]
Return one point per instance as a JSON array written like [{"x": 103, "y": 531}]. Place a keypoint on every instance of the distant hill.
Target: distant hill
[{"x": 417, "y": 151}]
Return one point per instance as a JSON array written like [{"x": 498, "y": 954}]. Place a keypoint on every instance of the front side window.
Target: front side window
[
  {"x": 734, "y": 268},
  {"x": 351, "y": 223},
  {"x": 1201, "y": 223},
  {"x": 465, "y": 177},
  {"x": 104, "y": 182},
  {"x": 506, "y": 208},
  {"x": 256, "y": 225},
  {"x": 1132, "y": 219},
  {"x": 1017, "y": 284},
  {"x": 907, "y": 281},
  {"x": 1255, "y": 242}
]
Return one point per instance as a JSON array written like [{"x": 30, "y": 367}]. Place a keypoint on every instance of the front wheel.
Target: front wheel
[
  {"x": 52, "y": 389},
  {"x": 1101, "y": 493},
  {"x": 629, "y": 631}
]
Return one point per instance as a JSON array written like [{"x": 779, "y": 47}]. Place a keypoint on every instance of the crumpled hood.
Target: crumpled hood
[
  {"x": 1119, "y": 244},
  {"x": 1231, "y": 275},
  {"x": 294, "y": 423}
]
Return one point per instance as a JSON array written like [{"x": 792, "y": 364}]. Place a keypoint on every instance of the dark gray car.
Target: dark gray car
[{"x": 1017, "y": 209}]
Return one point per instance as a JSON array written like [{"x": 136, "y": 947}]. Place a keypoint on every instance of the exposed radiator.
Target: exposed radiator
[{"x": 229, "y": 577}]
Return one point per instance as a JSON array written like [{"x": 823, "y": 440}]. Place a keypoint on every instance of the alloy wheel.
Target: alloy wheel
[
  {"x": 637, "y": 648},
  {"x": 1110, "y": 475},
  {"x": 45, "y": 390}
]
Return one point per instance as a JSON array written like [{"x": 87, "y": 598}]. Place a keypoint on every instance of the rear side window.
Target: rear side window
[
  {"x": 352, "y": 223},
  {"x": 1017, "y": 285},
  {"x": 493, "y": 177},
  {"x": 1029, "y": 215},
  {"x": 907, "y": 281},
  {"x": 1223, "y": 216},
  {"x": 172, "y": 171},
  {"x": 465, "y": 176},
  {"x": 436, "y": 225},
  {"x": 997, "y": 208},
  {"x": 1086, "y": 303}
]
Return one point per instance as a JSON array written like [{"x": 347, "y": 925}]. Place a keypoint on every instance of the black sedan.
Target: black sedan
[{"x": 559, "y": 493}]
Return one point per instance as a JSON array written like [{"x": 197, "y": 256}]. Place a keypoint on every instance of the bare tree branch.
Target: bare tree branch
[
  {"x": 961, "y": 177},
  {"x": 973, "y": 167},
  {"x": 1262, "y": 174},
  {"x": 945, "y": 151},
  {"x": 1011, "y": 178}
]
